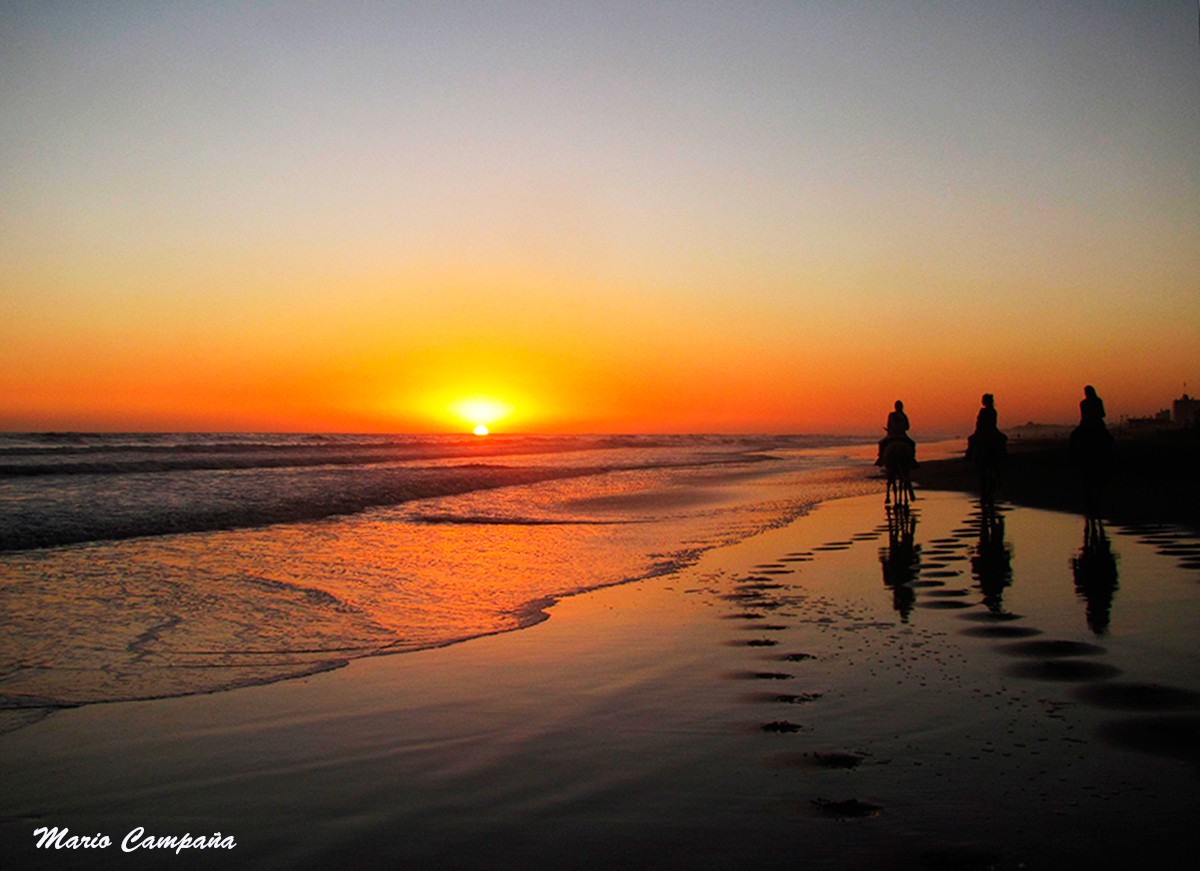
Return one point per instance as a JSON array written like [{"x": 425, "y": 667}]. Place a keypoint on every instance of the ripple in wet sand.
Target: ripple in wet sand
[
  {"x": 1139, "y": 697},
  {"x": 1001, "y": 631},
  {"x": 1066, "y": 670},
  {"x": 992, "y": 616},
  {"x": 1051, "y": 648},
  {"x": 1172, "y": 737}
]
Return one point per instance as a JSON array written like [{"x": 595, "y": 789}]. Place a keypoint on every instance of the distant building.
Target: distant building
[
  {"x": 1160, "y": 420},
  {"x": 1185, "y": 411}
]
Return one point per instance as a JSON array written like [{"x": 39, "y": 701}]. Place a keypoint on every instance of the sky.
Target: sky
[{"x": 596, "y": 217}]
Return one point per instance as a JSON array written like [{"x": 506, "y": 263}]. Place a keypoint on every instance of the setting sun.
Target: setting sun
[{"x": 480, "y": 412}]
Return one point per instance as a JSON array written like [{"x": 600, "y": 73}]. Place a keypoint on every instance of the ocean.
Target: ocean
[{"x": 143, "y": 565}]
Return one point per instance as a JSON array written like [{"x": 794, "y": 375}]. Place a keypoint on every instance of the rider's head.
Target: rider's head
[
  {"x": 988, "y": 399},
  {"x": 899, "y": 405},
  {"x": 1089, "y": 391}
]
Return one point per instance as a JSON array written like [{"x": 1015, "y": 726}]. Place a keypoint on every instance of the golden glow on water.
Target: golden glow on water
[{"x": 298, "y": 598}]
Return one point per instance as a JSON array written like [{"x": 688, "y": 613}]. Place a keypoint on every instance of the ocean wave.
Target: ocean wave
[
  {"x": 487, "y": 520},
  {"x": 94, "y": 510},
  {"x": 118, "y": 457},
  {"x": 119, "y": 486}
]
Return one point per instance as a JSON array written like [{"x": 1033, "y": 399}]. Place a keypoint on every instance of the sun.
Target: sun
[{"x": 480, "y": 412}]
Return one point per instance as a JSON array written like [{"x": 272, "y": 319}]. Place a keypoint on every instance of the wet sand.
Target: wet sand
[{"x": 848, "y": 691}]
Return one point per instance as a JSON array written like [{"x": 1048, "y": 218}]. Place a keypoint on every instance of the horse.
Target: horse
[
  {"x": 1091, "y": 450},
  {"x": 988, "y": 450},
  {"x": 898, "y": 459}
]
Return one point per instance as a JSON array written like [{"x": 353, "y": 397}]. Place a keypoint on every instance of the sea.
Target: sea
[{"x": 145, "y": 565}]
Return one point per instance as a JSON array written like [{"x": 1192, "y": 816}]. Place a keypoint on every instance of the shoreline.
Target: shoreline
[
  {"x": 1154, "y": 477},
  {"x": 741, "y": 494}
]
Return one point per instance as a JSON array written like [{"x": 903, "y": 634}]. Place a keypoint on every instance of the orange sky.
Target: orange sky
[{"x": 612, "y": 220}]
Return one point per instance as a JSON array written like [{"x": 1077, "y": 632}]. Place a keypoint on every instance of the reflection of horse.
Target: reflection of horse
[
  {"x": 992, "y": 562},
  {"x": 1095, "y": 570},
  {"x": 898, "y": 457},
  {"x": 1091, "y": 449},
  {"x": 987, "y": 449},
  {"x": 899, "y": 560}
]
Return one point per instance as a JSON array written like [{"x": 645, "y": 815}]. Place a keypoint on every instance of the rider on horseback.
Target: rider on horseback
[
  {"x": 987, "y": 448},
  {"x": 897, "y": 430},
  {"x": 1091, "y": 449},
  {"x": 1091, "y": 411},
  {"x": 987, "y": 440}
]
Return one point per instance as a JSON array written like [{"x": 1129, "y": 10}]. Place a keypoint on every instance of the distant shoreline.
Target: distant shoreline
[{"x": 1155, "y": 476}]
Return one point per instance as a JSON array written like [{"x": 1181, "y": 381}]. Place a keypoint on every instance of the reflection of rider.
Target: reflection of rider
[
  {"x": 897, "y": 429},
  {"x": 1095, "y": 569}
]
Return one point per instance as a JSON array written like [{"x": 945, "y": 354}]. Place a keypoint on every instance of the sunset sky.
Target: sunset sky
[{"x": 601, "y": 217}]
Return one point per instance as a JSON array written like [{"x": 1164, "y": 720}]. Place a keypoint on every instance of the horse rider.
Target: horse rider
[{"x": 897, "y": 430}]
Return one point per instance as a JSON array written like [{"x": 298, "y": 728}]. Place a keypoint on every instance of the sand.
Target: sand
[{"x": 831, "y": 694}]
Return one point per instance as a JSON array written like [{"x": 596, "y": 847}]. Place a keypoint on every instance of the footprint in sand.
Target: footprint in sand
[
  {"x": 849, "y": 809},
  {"x": 760, "y": 675},
  {"x": 781, "y": 726},
  {"x": 833, "y": 759}
]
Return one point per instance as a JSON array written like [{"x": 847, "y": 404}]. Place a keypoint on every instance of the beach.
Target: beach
[
  {"x": 443, "y": 436},
  {"x": 848, "y": 688}
]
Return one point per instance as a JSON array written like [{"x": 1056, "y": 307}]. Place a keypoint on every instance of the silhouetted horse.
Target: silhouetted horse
[
  {"x": 898, "y": 459},
  {"x": 988, "y": 450},
  {"x": 1091, "y": 451}
]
